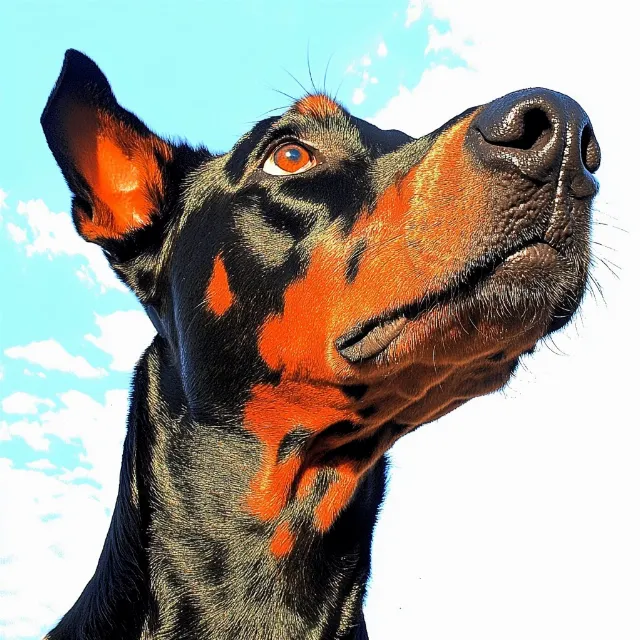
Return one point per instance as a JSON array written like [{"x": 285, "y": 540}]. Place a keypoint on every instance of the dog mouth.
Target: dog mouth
[{"x": 369, "y": 339}]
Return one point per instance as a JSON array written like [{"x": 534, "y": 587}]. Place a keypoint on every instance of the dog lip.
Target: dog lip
[
  {"x": 370, "y": 338},
  {"x": 364, "y": 344},
  {"x": 538, "y": 252}
]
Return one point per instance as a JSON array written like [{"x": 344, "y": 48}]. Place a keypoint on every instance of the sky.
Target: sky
[{"x": 516, "y": 516}]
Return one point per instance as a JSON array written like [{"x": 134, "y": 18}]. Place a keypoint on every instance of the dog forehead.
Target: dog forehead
[
  {"x": 315, "y": 119},
  {"x": 318, "y": 118}
]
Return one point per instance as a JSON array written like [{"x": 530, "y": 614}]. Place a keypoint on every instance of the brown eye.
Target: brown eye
[{"x": 289, "y": 158}]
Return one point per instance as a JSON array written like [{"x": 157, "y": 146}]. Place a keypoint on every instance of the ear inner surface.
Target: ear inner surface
[
  {"x": 112, "y": 162},
  {"x": 122, "y": 170}
]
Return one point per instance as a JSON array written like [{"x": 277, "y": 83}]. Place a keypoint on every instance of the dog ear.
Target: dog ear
[{"x": 114, "y": 165}]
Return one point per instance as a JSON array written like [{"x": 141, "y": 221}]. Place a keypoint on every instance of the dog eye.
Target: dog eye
[{"x": 289, "y": 158}]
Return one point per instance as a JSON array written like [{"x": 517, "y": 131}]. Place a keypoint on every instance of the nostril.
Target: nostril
[
  {"x": 590, "y": 149},
  {"x": 536, "y": 131},
  {"x": 525, "y": 131}
]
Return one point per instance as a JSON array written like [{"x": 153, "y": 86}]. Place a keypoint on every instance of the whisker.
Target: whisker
[
  {"x": 335, "y": 96},
  {"x": 326, "y": 71},
  {"x": 610, "y": 226},
  {"x": 304, "y": 89},
  {"x": 285, "y": 94},
  {"x": 611, "y": 266},
  {"x": 313, "y": 84},
  {"x": 604, "y": 246},
  {"x": 269, "y": 111}
]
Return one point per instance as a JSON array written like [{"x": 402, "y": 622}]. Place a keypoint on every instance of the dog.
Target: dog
[{"x": 319, "y": 291}]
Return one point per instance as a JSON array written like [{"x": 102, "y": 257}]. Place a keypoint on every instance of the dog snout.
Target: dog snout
[{"x": 540, "y": 133}]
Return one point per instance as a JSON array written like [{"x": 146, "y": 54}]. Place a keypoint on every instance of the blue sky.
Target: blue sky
[{"x": 69, "y": 333}]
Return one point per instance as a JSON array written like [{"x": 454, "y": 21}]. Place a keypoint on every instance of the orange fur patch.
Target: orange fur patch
[
  {"x": 337, "y": 496},
  {"x": 121, "y": 169},
  {"x": 270, "y": 414},
  {"x": 282, "y": 541},
  {"x": 219, "y": 294},
  {"x": 318, "y": 106}
]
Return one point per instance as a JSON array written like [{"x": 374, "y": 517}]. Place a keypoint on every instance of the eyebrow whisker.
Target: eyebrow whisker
[
  {"x": 304, "y": 89},
  {"x": 313, "y": 84}
]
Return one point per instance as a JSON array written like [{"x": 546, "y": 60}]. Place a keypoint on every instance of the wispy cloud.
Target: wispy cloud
[
  {"x": 53, "y": 234},
  {"x": 97, "y": 427},
  {"x": 28, "y": 372},
  {"x": 18, "y": 234},
  {"x": 358, "y": 96},
  {"x": 30, "y": 431},
  {"x": 24, "y": 403},
  {"x": 3, "y": 200},
  {"x": 450, "y": 41},
  {"x": 363, "y": 69},
  {"x": 42, "y": 464},
  {"x": 123, "y": 335},
  {"x": 414, "y": 11},
  {"x": 50, "y": 354}
]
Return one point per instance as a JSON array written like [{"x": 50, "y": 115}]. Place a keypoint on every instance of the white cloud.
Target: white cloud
[
  {"x": 414, "y": 11},
  {"x": 449, "y": 40},
  {"x": 57, "y": 525},
  {"x": 28, "y": 372},
  {"x": 43, "y": 464},
  {"x": 362, "y": 69},
  {"x": 18, "y": 234},
  {"x": 53, "y": 234},
  {"x": 30, "y": 432},
  {"x": 504, "y": 55},
  {"x": 52, "y": 541},
  {"x": 50, "y": 354},
  {"x": 84, "y": 275},
  {"x": 98, "y": 427},
  {"x": 452, "y": 88},
  {"x": 358, "y": 96},
  {"x": 124, "y": 335},
  {"x": 24, "y": 403},
  {"x": 79, "y": 473},
  {"x": 3, "y": 204}
]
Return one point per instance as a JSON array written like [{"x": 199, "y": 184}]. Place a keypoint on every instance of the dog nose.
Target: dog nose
[{"x": 541, "y": 133}]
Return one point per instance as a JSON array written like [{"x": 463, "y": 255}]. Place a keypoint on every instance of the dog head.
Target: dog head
[{"x": 329, "y": 284}]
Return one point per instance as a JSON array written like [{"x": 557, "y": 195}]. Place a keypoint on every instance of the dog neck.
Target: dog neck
[{"x": 184, "y": 559}]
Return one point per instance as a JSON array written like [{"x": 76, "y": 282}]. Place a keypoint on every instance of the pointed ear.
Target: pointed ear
[{"x": 114, "y": 165}]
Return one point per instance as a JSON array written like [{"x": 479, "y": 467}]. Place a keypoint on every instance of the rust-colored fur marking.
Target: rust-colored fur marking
[
  {"x": 282, "y": 541},
  {"x": 219, "y": 295},
  {"x": 121, "y": 169},
  {"x": 318, "y": 106}
]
